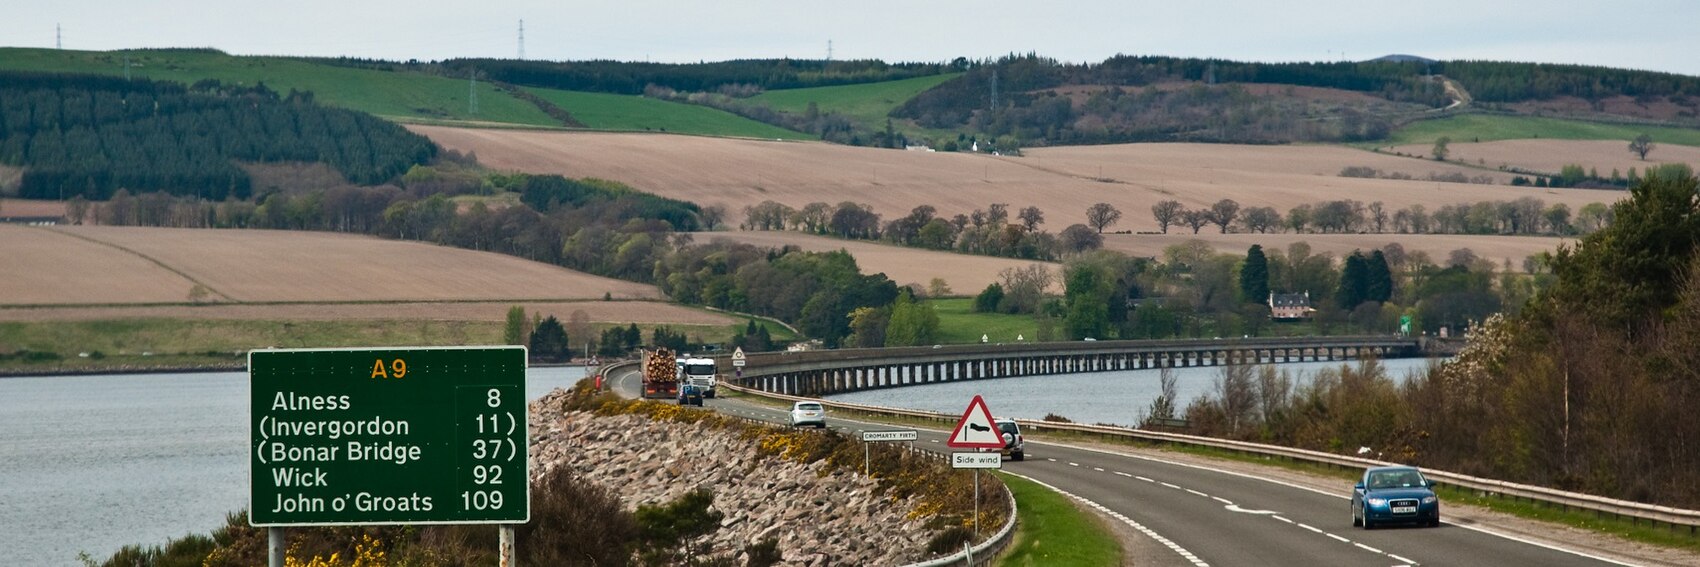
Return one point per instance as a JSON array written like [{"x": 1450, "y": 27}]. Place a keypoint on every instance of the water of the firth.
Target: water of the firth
[{"x": 93, "y": 463}]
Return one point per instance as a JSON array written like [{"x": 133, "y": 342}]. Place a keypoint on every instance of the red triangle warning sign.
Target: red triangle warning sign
[{"x": 976, "y": 429}]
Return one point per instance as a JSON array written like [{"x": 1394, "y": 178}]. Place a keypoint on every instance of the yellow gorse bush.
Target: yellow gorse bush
[{"x": 369, "y": 552}]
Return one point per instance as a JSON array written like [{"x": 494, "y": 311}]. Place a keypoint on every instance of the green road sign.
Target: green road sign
[
  {"x": 1405, "y": 324},
  {"x": 388, "y": 436}
]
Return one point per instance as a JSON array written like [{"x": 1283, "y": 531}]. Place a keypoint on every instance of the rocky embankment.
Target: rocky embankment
[{"x": 818, "y": 519}]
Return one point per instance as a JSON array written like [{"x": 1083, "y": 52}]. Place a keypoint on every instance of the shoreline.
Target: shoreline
[{"x": 195, "y": 369}]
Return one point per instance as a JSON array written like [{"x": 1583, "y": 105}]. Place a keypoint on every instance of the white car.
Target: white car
[{"x": 803, "y": 413}]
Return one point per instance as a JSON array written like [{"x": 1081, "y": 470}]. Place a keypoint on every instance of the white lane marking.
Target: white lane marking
[
  {"x": 1175, "y": 547},
  {"x": 1051, "y": 460},
  {"x": 1074, "y": 464},
  {"x": 1478, "y": 529},
  {"x": 1171, "y": 486},
  {"x": 1342, "y": 540},
  {"x": 1282, "y": 519},
  {"x": 1308, "y": 527},
  {"x": 1370, "y": 548},
  {"x": 1222, "y": 500},
  {"x": 1293, "y": 486},
  {"x": 1545, "y": 545},
  {"x": 1198, "y": 493},
  {"x": 1124, "y": 474},
  {"x": 1098, "y": 469},
  {"x": 1233, "y": 508}
]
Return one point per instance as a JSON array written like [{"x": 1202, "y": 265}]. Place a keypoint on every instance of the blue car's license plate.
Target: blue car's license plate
[{"x": 1404, "y": 509}]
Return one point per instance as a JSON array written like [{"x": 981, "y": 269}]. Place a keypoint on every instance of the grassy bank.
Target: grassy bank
[
  {"x": 1053, "y": 531},
  {"x": 628, "y": 112},
  {"x": 867, "y": 104},
  {"x": 385, "y": 93},
  {"x": 1488, "y": 128},
  {"x": 958, "y": 323}
]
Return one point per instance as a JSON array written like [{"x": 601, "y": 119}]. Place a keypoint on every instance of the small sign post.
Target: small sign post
[
  {"x": 738, "y": 357},
  {"x": 976, "y": 430},
  {"x": 880, "y": 436}
]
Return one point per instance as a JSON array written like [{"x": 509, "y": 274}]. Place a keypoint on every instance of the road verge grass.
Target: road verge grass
[{"x": 1053, "y": 531}]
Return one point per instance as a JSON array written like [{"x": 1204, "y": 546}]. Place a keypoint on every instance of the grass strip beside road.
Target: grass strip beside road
[{"x": 1053, "y": 531}]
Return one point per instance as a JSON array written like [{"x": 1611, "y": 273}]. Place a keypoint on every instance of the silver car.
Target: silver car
[{"x": 804, "y": 413}]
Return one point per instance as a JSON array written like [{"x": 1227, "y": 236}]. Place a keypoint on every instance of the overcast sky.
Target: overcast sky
[{"x": 1641, "y": 34}]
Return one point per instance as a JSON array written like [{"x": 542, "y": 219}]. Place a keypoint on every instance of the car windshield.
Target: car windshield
[
  {"x": 809, "y": 407},
  {"x": 699, "y": 369},
  {"x": 1395, "y": 479},
  {"x": 1008, "y": 427}
]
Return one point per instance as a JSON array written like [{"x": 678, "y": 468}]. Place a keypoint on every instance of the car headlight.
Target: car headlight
[
  {"x": 1377, "y": 501},
  {"x": 1429, "y": 499}
]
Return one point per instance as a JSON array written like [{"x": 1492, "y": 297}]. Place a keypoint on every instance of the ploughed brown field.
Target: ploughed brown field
[
  {"x": 965, "y": 274},
  {"x": 1550, "y": 156},
  {"x": 640, "y": 312},
  {"x": 1438, "y": 246},
  {"x": 1062, "y": 181},
  {"x": 97, "y": 264}
]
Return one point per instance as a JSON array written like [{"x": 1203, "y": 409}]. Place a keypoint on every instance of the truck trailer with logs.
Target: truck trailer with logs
[{"x": 660, "y": 374}]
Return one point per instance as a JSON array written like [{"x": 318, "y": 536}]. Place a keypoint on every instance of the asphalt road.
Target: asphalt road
[{"x": 1210, "y": 516}]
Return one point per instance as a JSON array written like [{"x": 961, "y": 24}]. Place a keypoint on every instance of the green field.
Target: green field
[
  {"x": 629, "y": 112},
  {"x": 1487, "y": 128},
  {"x": 1055, "y": 532},
  {"x": 866, "y": 104},
  {"x": 401, "y": 95},
  {"x": 959, "y": 324}
]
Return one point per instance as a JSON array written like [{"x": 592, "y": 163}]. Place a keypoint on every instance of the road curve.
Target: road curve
[{"x": 1212, "y": 516}]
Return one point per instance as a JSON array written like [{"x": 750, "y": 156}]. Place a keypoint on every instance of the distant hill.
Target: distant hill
[{"x": 1401, "y": 58}]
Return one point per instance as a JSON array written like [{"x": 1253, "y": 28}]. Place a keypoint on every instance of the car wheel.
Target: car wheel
[
  {"x": 1018, "y": 455},
  {"x": 1355, "y": 521},
  {"x": 1367, "y": 524},
  {"x": 1435, "y": 523},
  {"x": 821, "y": 425}
]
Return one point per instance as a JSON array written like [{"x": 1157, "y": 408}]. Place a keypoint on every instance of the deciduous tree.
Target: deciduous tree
[
  {"x": 1102, "y": 215},
  {"x": 1165, "y": 212}
]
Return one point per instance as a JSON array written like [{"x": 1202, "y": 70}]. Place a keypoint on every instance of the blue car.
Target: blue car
[{"x": 1394, "y": 495}]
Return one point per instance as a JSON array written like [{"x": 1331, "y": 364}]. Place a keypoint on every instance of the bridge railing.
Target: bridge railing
[{"x": 1676, "y": 518}]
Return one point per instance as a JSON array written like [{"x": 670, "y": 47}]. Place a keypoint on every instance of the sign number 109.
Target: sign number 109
[{"x": 486, "y": 475}]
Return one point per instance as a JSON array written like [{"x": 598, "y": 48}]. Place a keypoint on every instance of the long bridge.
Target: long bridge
[{"x": 826, "y": 372}]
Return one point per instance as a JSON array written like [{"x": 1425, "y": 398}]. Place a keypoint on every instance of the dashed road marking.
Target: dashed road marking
[
  {"x": 1170, "y": 485},
  {"x": 1175, "y": 547},
  {"x": 1342, "y": 540},
  {"x": 1371, "y": 549},
  {"x": 1398, "y": 558},
  {"x": 1308, "y": 527},
  {"x": 1124, "y": 474},
  {"x": 1074, "y": 464},
  {"x": 1283, "y": 519},
  {"x": 1198, "y": 493},
  {"x": 1098, "y": 469},
  {"x": 1222, "y": 500},
  {"x": 1144, "y": 479}
]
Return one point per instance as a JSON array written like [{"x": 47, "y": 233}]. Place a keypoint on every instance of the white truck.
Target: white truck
[{"x": 698, "y": 372}]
